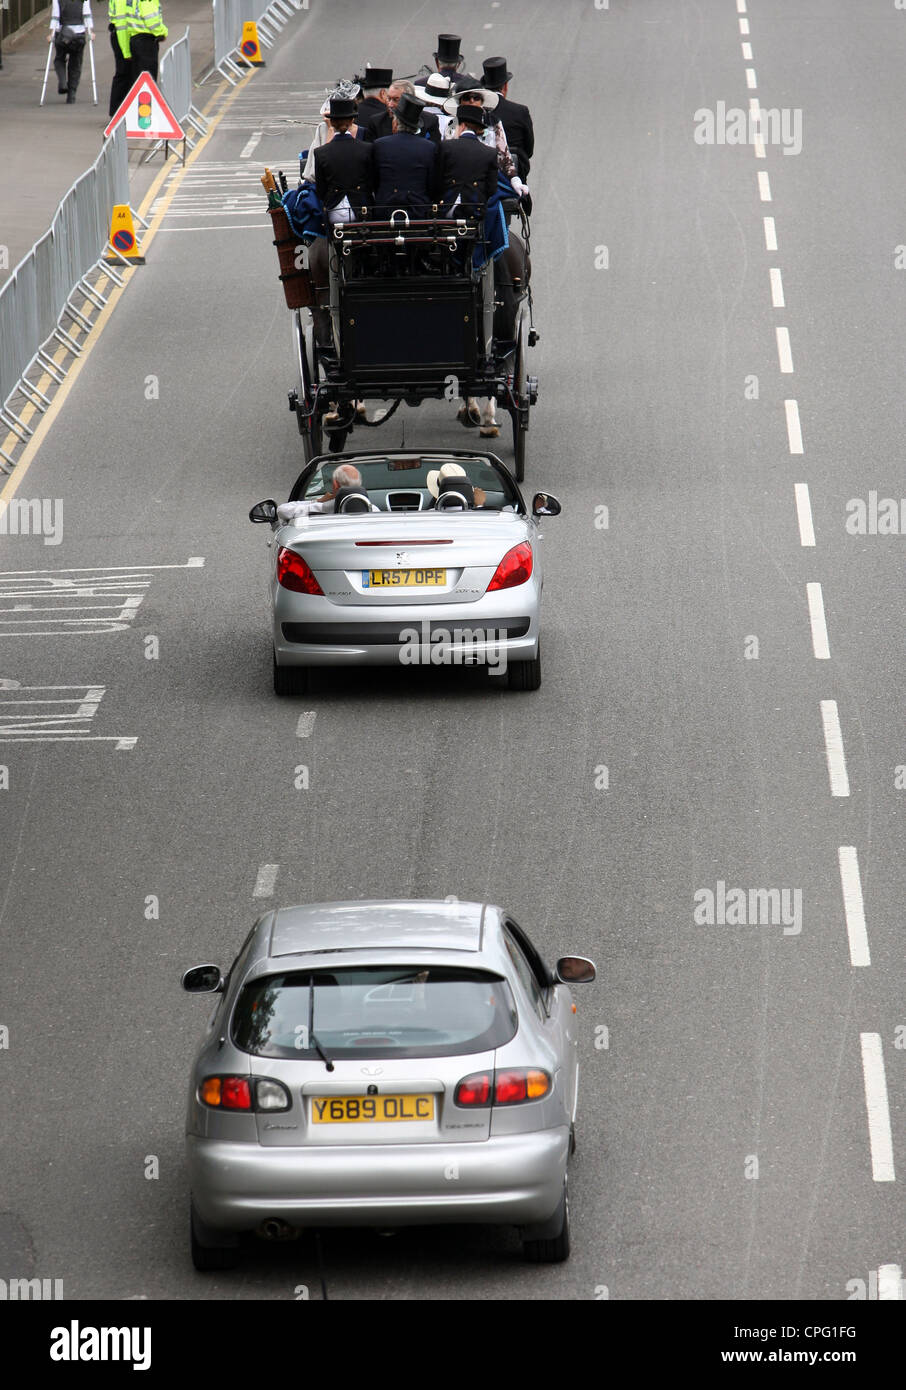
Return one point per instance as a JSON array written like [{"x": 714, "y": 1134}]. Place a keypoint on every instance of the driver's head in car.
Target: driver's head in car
[{"x": 346, "y": 480}]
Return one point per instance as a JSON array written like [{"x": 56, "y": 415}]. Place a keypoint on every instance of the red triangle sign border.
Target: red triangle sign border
[{"x": 169, "y": 130}]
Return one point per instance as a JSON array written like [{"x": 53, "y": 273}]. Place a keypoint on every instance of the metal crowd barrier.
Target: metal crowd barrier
[
  {"x": 39, "y": 294},
  {"x": 175, "y": 81},
  {"x": 229, "y": 17}
]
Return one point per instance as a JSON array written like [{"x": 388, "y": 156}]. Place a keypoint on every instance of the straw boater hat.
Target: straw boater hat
[
  {"x": 446, "y": 470},
  {"x": 436, "y": 89}
]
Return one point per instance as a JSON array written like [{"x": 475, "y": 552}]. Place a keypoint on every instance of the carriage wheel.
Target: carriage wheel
[{"x": 521, "y": 411}]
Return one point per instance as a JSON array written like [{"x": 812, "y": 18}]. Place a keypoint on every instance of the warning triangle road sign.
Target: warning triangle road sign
[{"x": 147, "y": 115}]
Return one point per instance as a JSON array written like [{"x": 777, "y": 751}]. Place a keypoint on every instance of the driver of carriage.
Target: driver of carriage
[
  {"x": 346, "y": 494},
  {"x": 448, "y": 60}
]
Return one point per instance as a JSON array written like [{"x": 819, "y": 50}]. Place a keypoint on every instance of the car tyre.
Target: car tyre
[
  {"x": 290, "y": 680},
  {"x": 211, "y": 1249},
  {"x": 525, "y": 675},
  {"x": 550, "y": 1248}
]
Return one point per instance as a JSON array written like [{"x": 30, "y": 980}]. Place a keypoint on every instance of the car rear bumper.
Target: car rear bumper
[{"x": 515, "y": 1179}]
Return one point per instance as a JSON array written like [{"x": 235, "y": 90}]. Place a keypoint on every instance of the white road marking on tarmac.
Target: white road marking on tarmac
[
  {"x": 740, "y": 6},
  {"x": 820, "y": 640},
  {"x": 306, "y": 723},
  {"x": 793, "y": 426},
  {"x": 264, "y": 883},
  {"x": 784, "y": 351},
  {"x": 45, "y": 714},
  {"x": 878, "y": 1108},
  {"x": 770, "y": 234},
  {"x": 853, "y": 906},
  {"x": 833, "y": 742},
  {"x": 743, "y": 26},
  {"x": 764, "y": 187},
  {"x": 751, "y": 80},
  {"x": 230, "y": 227},
  {"x": 890, "y": 1282},
  {"x": 747, "y": 52},
  {"x": 777, "y": 299},
  {"x": 804, "y": 513},
  {"x": 251, "y": 144}
]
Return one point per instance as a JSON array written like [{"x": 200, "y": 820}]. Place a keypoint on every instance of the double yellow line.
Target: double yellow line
[{"x": 30, "y": 451}]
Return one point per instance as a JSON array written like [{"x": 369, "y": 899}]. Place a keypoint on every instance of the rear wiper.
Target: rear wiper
[{"x": 312, "y": 1040}]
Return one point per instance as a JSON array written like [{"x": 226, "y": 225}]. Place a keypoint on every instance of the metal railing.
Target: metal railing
[
  {"x": 175, "y": 81},
  {"x": 229, "y": 17},
  {"x": 40, "y": 293}
]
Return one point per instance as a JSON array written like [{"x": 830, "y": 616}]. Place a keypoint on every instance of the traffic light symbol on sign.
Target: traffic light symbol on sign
[{"x": 144, "y": 109}]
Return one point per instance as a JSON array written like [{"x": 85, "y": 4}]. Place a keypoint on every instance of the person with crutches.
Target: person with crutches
[
  {"x": 70, "y": 20},
  {"x": 117, "y": 14}
]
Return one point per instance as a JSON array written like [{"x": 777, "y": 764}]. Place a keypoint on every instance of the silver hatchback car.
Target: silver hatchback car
[
  {"x": 426, "y": 559},
  {"x": 383, "y": 1064}
]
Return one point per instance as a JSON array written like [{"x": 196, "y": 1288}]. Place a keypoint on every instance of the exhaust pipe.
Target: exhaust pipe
[{"x": 275, "y": 1229}]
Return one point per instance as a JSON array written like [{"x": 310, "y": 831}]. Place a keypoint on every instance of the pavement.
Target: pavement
[{"x": 46, "y": 148}]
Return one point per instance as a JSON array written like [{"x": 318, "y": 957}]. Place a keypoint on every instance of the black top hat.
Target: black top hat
[
  {"x": 495, "y": 73},
  {"x": 470, "y": 115},
  {"x": 448, "y": 48},
  {"x": 377, "y": 77},
  {"x": 341, "y": 108},
  {"x": 408, "y": 109}
]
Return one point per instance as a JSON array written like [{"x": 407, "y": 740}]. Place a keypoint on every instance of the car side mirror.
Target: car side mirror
[
  {"x": 203, "y": 979},
  {"x": 264, "y": 511},
  {"x": 575, "y": 970},
  {"x": 543, "y": 504}
]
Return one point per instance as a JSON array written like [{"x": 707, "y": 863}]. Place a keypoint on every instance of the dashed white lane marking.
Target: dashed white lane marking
[
  {"x": 770, "y": 234},
  {"x": 784, "y": 351},
  {"x": 484, "y": 26},
  {"x": 890, "y": 1282},
  {"x": 793, "y": 426},
  {"x": 878, "y": 1107},
  {"x": 747, "y": 52},
  {"x": 820, "y": 642},
  {"x": 833, "y": 742},
  {"x": 777, "y": 298},
  {"x": 751, "y": 80},
  {"x": 740, "y": 6},
  {"x": 306, "y": 723},
  {"x": 758, "y": 146},
  {"x": 743, "y": 26},
  {"x": 251, "y": 144},
  {"x": 264, "y": 883},
  {"x": 853, "y": 906},
  {"x": 804, "y": 513},
  {"x": 764, "y": 187}
]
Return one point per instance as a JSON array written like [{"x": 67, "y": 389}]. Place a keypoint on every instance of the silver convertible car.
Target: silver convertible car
[
  {"x": 383, "y": 1064},
  {"x": 420, "y": 559}
]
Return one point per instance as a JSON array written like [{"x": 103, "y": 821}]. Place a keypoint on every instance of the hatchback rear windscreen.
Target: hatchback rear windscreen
[{"x": 374, "y": 1011}]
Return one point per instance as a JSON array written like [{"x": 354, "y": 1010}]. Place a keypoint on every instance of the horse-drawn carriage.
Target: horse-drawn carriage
[{"x": 414, "y": 310}]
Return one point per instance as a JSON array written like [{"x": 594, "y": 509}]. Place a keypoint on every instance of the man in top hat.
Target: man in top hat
[
  {"x": 344, "y": 167},
  {"x": 515, "y": 118},
  {"x": 405, "y": 164},
  {"x": 468, "y": 168},
  {"x": 448, "y": 60},
  {"x": 374, "y": 117}
]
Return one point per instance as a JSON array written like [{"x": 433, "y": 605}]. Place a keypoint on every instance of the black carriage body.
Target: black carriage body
[{"x": 404, "y": 335}]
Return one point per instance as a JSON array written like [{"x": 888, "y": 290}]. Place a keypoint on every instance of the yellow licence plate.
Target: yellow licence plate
[
  {"x": 345, "y": 1110},
  {"x": 412, "y": 579}
]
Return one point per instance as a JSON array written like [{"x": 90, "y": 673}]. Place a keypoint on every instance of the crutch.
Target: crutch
[
  {"x": 46, "y": 68},
  {"x": 94, "y": 85}
]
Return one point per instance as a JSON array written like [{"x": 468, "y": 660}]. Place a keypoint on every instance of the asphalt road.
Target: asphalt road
[{"x": 725, "y": 1149}]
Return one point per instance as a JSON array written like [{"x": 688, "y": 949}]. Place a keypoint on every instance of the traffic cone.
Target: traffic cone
[
  {"x": 249, "y": 46},
  {"x": 122, "y": 236}
]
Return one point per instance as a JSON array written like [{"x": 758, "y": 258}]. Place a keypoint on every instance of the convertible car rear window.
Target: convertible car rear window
[{"x": 375, "y": 1011}]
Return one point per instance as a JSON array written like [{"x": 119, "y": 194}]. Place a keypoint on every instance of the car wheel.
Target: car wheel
[
  {"x": 525, "y": 675},
  {"x": 290, "y": 680},
  {"x": 552, "y": 1246},
  {"x": 572, "y": 1140},
  {"x": 211, "y": 1249}
]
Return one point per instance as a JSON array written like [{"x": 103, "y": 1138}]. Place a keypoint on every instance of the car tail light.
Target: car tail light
[
  {"x": 293, "y": 573},
  {"x": 509, "y": 1087},
  {"x": 474, "y": 1089},
  {"x": 244, "y": 1093},
  {"x": 515, "y": 568}
]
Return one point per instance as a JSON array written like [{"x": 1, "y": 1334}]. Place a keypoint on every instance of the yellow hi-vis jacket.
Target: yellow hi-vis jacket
[
  {"x": 117, "y": 14},
  {"x": 144, "y": 17}
]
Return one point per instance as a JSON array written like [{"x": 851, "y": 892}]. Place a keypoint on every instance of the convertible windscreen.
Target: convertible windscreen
[
  {"x": 385, "y": 474},
  {"x": 374, "y": 1011}
]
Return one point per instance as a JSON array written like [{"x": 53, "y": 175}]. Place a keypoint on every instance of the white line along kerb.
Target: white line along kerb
[
  {"x": 853, "y": 906},
  {"x": 804, "y": 513},
  {"x": 264, "y": 883},
  {"x": 793, "y": 426},
  {"x": 878, "y": 1107},
  {"x": 833, "y": 742},
  {"x": 820, "y": 643}
]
